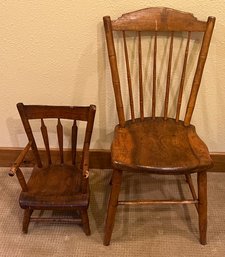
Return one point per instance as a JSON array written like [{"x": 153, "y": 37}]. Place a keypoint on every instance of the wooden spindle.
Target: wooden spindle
[
  {"x": 154, "y": 76},
  {"x": 168, "y": 77},
  {"x": 46, "y": 140},
  {"x": 128, "y": 78},
  {"x": 74, "y": 142},
  {"x": 140, "y": 77},
  {"x": 60, "y": 139},
  {"x": 180, "y": 94}
]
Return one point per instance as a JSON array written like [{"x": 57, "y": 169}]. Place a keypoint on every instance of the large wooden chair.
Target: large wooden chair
[
  {"x": 155, "y": 49},
  {"x": 55, "y": 185}
]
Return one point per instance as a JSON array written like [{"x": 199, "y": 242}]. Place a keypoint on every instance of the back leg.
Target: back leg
[
  {"x": 85, "y": 222},
  {"x": 112, "y": 206},
  {"x": 202, "y": 206},
  {"x": 26, "y": 220}
]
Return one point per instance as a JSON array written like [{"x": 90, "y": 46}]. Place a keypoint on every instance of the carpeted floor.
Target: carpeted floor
[{"x": 139, "y": 231}]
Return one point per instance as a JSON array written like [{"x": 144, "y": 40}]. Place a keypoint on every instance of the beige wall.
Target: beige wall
[{"x": 53, "y": 52}]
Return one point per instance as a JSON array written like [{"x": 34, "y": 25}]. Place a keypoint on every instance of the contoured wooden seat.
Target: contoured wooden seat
[
  {"x": 55, "y": 185},
  {"x": 153, "y": 51},
  {"x": 159, "y": 146}
]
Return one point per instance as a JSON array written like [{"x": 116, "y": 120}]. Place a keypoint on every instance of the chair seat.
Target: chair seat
[
  {"x": 159, "y": 146},
  {"x": 54, "y": 187}
]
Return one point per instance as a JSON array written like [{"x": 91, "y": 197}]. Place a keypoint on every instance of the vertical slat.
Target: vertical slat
[
  {"x": 128, "y": 77},
  {"x": 154, "y": 77},
  {"x": 180, "y": 94},
  {"x": 168, "y": 77},
  {"x": 74, "y": 142},
  {"x": 199, "y": 70},
  {"x": 140, "y": 77},
  {"x": 114, "y": 69},
  {"x": 60, "y": 139},
  {"x": 46, "y": 140}
]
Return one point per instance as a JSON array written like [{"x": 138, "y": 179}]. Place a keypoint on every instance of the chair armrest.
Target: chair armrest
[{"x": 14, "y": 168}]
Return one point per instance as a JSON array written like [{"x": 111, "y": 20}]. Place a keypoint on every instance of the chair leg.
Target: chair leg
[
  {"x": 112, "y": 206},
  {"x": 202, "y": 206},
  {"x": 26, "y": 220},
  {"x": 191, "y": 186},
  {"x": 85, "y": 222}
]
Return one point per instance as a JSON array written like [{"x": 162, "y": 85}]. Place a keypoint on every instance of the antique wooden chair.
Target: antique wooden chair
[
  {"x": 55, "y": 185},
  {"x": 157, "y": 138}
]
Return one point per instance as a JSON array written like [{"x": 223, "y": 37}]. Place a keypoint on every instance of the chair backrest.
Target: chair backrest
[
  {"x": 74, "y": 113},
  {"x": 131, "y": 41}
]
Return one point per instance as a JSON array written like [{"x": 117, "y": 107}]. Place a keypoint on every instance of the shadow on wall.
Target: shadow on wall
[{"x": 16, "y": 131}]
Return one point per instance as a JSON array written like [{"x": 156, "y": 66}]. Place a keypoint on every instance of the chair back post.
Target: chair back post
[
  {"x": 199, "y": 70},
  {"x": 85, "y": 152},
  {"x": 114, "y": 70},
  {"x": 26, "y": 124}
]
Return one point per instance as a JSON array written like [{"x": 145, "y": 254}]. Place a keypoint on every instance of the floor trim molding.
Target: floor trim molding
[{"x": 99, "y": 159}]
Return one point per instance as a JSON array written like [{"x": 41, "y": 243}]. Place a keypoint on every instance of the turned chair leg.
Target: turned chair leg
[
  {"x": 26, "y": 220},
  {"x": 85, "y": 222},
  {"x": 112, "y": 206},
  {"x": 202, "y": 206}
]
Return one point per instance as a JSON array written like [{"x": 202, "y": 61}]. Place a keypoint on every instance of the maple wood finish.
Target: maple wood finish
[
  {"x": 158, "y": 142},
  {"x": 57, "y": 185}
]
